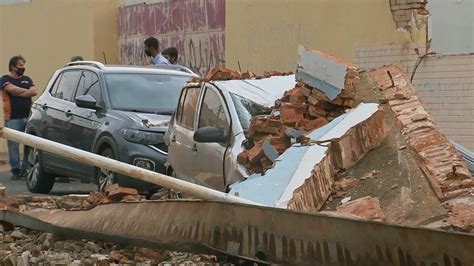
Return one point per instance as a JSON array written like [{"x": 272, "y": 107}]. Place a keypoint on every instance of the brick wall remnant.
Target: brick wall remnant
[
  {"x": 404, "y": 11},
  {"x": 439, "y": 160}
]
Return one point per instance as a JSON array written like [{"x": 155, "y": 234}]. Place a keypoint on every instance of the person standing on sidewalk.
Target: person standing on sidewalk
[
  {"x": 152, "y": 50},
  {"x": 17, "y": 91}
]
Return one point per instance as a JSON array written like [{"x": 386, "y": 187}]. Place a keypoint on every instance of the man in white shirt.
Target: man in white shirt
[{"x": 152, "y": 50}]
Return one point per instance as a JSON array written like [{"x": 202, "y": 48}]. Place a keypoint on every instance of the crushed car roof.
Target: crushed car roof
[{"x": 262, "y": 91}]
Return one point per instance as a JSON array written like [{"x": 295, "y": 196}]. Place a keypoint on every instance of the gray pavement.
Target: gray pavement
[{"x": 19, "y": 187}]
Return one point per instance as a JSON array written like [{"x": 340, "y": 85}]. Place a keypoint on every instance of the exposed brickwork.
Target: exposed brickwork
[
  {"x": 439, "y": 160},
  {"x": 404, "y": 10},
  {"x": 222, "y": 73},
  {"x": 304, "y": 108},
  {"x": 343, "y": 152},
  {"x": 349, "y": 149},
  {"x": 444, "y": 83},
  {"x": 316, "y": 189}
]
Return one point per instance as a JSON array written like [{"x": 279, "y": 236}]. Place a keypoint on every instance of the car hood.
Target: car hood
[{"x": 151, "y": 121}]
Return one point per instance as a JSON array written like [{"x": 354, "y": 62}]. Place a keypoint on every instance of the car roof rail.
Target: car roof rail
[
  {"x": 95, "y": 64},
  {"x": 173, "y": 67}
]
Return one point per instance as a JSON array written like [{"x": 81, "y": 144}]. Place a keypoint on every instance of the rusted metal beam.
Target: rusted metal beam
[
  {"x": 269, "y": 234},
  {"x": 119, "y": 167}
]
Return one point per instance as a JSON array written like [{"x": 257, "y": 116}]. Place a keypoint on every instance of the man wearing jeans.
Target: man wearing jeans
[{"x": 17, "y": 90}]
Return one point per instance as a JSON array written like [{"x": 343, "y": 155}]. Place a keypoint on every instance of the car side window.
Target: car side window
[
  {"x": 213, "y": 112},
  {"x": 54, "y": 88},
  {"x": 67, "y": 86},
  {"x": 89, "y": 85},
  {"x": 187, "y": 110},
  {"x": 179, "y": 110}
]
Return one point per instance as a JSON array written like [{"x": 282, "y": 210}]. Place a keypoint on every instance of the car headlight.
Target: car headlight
[{"x": 142, "y": 137}]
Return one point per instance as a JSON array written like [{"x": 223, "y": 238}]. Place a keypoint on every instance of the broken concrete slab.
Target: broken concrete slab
[{"x": 324, "y": 72}]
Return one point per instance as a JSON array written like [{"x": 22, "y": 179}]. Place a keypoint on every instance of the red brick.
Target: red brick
[
  {"x": 290, "y": 114},
  {"x": 266, "y": 163},
  {"x": 306, "y": 91},
  {"x": 434, "y": 154},
  {"x": 260, "y": 124},
  {"x": 310, "y": 125},
  {"x": 256, "y": 152},
  {"x": 120, "y": 192},
  {"x": 243, "y": 157},
  {"x": 280, "y": 143},
  {"x": 366, "y": 208},
  {"x": 222, "y": 73},
  {"x": 461, "y": 216},
  {"x": 317, "y": 97},
  {"x": 316, "y": 111},
  {"x": 248, "y": 75},
  {"x": 296, "y": 96}
]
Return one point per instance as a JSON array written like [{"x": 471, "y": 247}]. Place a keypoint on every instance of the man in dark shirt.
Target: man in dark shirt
[{"x": 17, "y": 90}]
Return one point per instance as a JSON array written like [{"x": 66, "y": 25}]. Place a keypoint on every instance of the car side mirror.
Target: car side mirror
[
  {"x": 86, "y": 101},
  {"x": 210, "y": 135}
]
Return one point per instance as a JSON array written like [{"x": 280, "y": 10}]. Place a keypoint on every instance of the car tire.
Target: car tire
[
  {"x": 37, "y": 181},
  {"x": 105, "y": 177}
]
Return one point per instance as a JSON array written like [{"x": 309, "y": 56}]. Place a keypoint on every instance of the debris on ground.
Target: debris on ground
[
  {"x": 461, "y": 214},
  {"x": 366, "y": 208},
  {"x": 370, "y": 174},
  {"x": 26, "y": 247},
  {"x": 113, "y": 193},
  {"x": 342, "y": 185}
]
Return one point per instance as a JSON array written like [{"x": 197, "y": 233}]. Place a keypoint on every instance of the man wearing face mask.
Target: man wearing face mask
[
  {"x": 152, "y": 50},
  {"x": 171, "y": 53},
  {"x": 17, "y": 90}
]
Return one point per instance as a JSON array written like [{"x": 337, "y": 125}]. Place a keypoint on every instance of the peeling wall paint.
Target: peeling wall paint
[{"x": 195, "y": 27}]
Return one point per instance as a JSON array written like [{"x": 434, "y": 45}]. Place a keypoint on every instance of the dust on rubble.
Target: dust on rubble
[{"x": 20, "y": 246}]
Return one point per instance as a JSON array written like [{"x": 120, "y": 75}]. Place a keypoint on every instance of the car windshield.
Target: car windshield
[
  {"x": 144, "y": 92},
  {"x": 246, "y": 109}
]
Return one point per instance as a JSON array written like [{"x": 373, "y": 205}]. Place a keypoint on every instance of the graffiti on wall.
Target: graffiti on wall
[{"x": 195, "y": 27}]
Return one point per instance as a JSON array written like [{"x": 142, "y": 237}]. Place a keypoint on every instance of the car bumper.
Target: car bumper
[{"x": 142, "y": 156}]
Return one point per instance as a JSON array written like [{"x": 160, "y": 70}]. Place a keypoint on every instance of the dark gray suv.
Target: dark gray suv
[{"x": 115, "y": 111}]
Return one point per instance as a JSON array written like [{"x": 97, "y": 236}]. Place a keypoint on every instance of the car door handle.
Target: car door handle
[
  {"x": 195, "y": 148},
  {"x": 44, "y": 106},
  {"x": 68, "y": 113}
]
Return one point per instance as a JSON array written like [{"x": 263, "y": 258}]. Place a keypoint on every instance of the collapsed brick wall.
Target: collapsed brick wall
[
  {"x": 303, "y": 108},
  {"x": 343, "y": 153},
  {"x": 439, "y": 160},
  {"x": 445, "y": 83},
  {"x": 222, "y": 73}
]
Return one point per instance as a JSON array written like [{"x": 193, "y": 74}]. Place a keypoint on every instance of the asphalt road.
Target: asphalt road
[{"x": 19, "y": 187}]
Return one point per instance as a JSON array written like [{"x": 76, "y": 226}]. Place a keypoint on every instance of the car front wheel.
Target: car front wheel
[
  {"x": 106, "y": 177},
  {"x": 37, "y": 181}
]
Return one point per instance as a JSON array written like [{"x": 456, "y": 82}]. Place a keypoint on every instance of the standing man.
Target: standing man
[
  {"x": 17, "y": 90},
  {"x": 171, "y": 53},
  {"x": 152, "y": 50}
]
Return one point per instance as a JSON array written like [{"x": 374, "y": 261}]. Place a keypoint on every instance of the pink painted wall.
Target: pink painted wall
[{"x": 195, "y": 27}]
